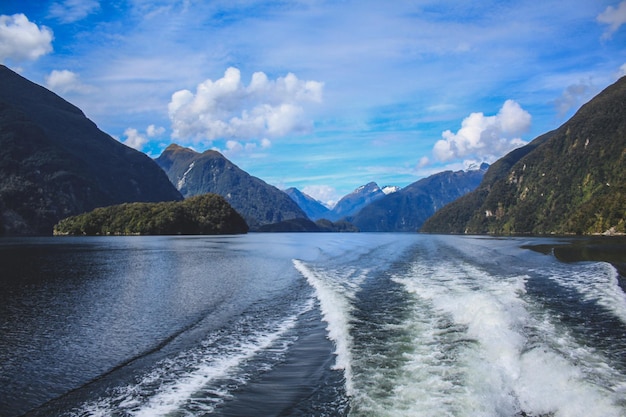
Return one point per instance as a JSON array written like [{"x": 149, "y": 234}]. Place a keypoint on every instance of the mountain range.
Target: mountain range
[
  {"x": 196, "y": 173},
  {"x": 351, "y": 203},
  {"x": 55, "y": 162},
  {"x": 407, "y": 209},
  {"x": 568, "y": 181}
]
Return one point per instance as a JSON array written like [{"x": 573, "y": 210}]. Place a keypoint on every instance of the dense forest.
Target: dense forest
[
  {"x": 207, "y": 214},
  {"x": 568, "y": 181}
]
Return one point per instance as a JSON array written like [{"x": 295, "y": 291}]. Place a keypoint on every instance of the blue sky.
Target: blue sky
[{"x": 322, "y": 95}]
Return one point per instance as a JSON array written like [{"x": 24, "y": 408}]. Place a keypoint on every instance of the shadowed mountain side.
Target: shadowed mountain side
[
  {"x": 407, "y": 209},
  {"x": 55, "y": 162},
  {"x": 196, "y": 173},
  {"x": 313, "y": 208}
]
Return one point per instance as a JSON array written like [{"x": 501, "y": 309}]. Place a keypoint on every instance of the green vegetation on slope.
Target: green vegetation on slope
[
  {"x": 207, "y": 214},
  {"x": 569, "y": 181}
]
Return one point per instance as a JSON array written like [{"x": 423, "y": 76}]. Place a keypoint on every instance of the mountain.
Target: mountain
[
  {"x": 55, "y": 162},
  {"x": 407, "y": 209},
  {"x": 313, "y": 208},
  {"x": 207, "y": 214},
  {"x": 355, "y": 201},
  {"x": 388, "y": 189},
  {"x": 570, "y": 180},
  {"x": 196, "y": 173}
]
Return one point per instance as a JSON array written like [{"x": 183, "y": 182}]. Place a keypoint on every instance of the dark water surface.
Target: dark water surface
[{"x": 312, "y": 325}]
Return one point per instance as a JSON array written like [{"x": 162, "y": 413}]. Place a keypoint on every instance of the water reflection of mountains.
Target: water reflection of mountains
[{"x": 598, "y": 249}]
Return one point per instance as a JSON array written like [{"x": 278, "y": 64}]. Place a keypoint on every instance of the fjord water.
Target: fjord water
[{"x": 307, "y": 325}]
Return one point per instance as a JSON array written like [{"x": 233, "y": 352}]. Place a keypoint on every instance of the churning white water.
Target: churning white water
[{"x": 309, "y": 325}]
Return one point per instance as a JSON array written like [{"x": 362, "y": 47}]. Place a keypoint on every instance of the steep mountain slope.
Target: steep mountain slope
[
  {"x": 571, "y": 180},
  {"x": 196, "y": 173},
  {"x": 407, "y": 209},
  {"x": 55, "y": 162},
  {"x": 313, "y": 208},
  {"x": 351, "y": 203}
]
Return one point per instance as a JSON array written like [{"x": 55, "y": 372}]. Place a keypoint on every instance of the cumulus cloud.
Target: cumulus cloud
[
  {"x": 326, "y": 194},
  {"x": 226, "y": 108},
  {"x": 66, "y": 81},
  {"x": 70, "y": 11},
  {"x": 134, "y": 139},
  {"x": 22, "y": 40},
  {"x": 138, "y": 140},
  {"x": 622, "y": 71},
  {"x": 614, "y": 17},
  {"x": 573, "y": 96},
  {"x": 234, "y": 147},
  {"x": 485, "y": 137},
  {"x": 154, "y": 131}
]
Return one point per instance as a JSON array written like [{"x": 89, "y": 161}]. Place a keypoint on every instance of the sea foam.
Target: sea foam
[
  {"x": 201, "y": 378},
  {"x": 335, "y": 291},
  {"x": 500, "y": 370}
]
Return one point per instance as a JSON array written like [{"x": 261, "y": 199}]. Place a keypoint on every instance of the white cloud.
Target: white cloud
[
  {"x": 485, "y": 137},
  {"x": 154, "y": 131},
  {"x": 266, "y": 143},
  {"x": 70, "y": 11},
  {"x": 134, "y": 139},
  {"x": 22, "y": 40},
  {"x": 323, "y": 193},
  {"x": 423, "y": 162},
  {"x": 66, "y": 81},
  {"x": 614, "y": 17},
  {"x": 573, "y": 96},
  {"x": 622, "y": 71},
  {"x": 138, "y": 140},
  {"x": 234, "y": 147},
  {"x": 228, "y": 109}
]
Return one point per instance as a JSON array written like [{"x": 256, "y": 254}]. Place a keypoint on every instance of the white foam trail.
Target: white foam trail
[
  {"x": 335, "y": 295},
  {"x": 596, "y": 281},
  {"x": 491, "y": 315},
  {"x": 497, "y": 372},
  {"x": 174, "y": 382}
]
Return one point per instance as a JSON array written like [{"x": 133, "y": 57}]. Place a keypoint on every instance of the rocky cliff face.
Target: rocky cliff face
[
  {"x": 55, "y": 162},
  {"x": 568, "y": 181},
  {"x": 196, "y": 173}
]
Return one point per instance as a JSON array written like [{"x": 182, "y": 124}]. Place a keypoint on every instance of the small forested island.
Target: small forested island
[{"x": 207, "y": 214}]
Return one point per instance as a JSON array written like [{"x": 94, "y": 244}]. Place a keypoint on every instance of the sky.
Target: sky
[{"x": 322, "y": 95}]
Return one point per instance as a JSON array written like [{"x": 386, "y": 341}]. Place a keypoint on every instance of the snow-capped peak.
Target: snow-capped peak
[{"x": 389, "y": 189}]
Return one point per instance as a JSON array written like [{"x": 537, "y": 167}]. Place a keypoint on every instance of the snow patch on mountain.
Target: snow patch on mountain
[{"x": 181, "y": 182}]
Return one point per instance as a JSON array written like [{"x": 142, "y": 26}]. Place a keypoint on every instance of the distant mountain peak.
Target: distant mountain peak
[
  {"x": 390, "y": 189},
  {"x": 369, "y": 187},
  {"x": 351, "y": 203},
  {"x": 196, "y": 173},
  {"x": 313, "y": 208},
  {"x": 405, "y": 210}
]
